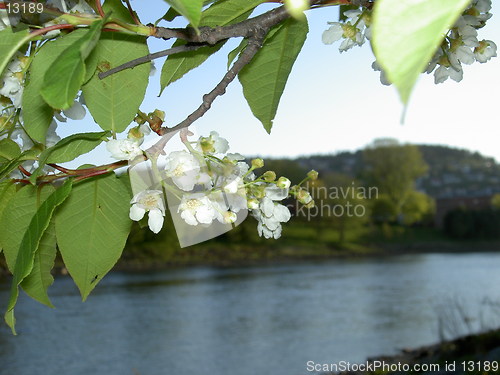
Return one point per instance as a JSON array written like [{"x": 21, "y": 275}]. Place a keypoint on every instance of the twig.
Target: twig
[
  {"x": 148, "y": 58},
  {"x": 132, "y": 13}
]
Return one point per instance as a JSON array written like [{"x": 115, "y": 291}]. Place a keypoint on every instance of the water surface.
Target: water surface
[{"x": 246, "y": 321}]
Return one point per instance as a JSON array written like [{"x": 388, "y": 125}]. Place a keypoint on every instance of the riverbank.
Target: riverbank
[{"x": 472, "y": 354}]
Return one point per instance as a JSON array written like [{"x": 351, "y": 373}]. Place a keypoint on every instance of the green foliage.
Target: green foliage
[
  {"x": 68, "y": 149},
  {"x": 63, "y": 79},
  {"x": 8, "y": 150},
  {"x": 114, "y": 101},
  {"x": 264, "y": 79},
  {"x": 92, "y": 228},
  {"x": 36, "y": 112},
  {"x": 393, "y": 169},
  {"x": 190, "y": 9},
  {"x": 407, "y": 33},
  {"x": 22, "y": 258},
  {"x": 417, "y": 207},
  {"x": 472, "y": 224},
  {"x": 495, "y": 201},
  {"x": 222, "y": 13},
  {"x": 10, "y": 42}
]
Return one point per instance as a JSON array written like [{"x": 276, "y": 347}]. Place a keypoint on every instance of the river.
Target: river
[{"x": 266, "y": 320}]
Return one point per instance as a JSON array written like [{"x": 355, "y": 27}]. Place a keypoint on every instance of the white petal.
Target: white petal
[
  {"x": 332, "y": 34},
  {"x": 282, "y": 213},
  {"x": 155, "y": 221},
  {"x": 136, "y": 212},
  {"x": 267, "y": 207}
]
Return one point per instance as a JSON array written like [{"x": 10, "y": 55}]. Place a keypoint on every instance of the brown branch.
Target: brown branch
[
  {"x": 150, "y": 57},
  {"x": 243, "y": 29}
]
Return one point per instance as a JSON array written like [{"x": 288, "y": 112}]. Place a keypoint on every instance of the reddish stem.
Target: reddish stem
[
  {"x": 99, "y": 8},
  {"x": 24, "y": 171},
  {"x": 51, "y": 28},
  {"x": 132, "y": 13}
]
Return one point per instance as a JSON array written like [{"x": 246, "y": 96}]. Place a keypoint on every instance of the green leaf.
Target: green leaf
[
  {"x": 40, "y": 279},
  {"x": 7, "y": 191},
  {"x": 114, "y": 101},
  {"x": 264, "y": 78},
  {"x": 16, "y": 217},
  {"x": 92, "y": 228},
  {"x": 10, "y": 42},
  {"x": 406, "y": 35},
  {"x": 7, "y": 168},
  {"x": 9, "y": 149},
  {"x": 222, "y": 13},
  {"x": 190, "y": 9},
  {"x": 118, "y": 10},
  {"x": 68, "y": 149},
  {"x": 29, "y": 245},
  {"x": 235, "y": 52},
  {"x": 172, "y": 14},
  {"x": 37, "y": 114},
  {"x": 65, "y": 77}
]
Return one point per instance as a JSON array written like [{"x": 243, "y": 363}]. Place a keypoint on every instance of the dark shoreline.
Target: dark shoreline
[
  {"x": 270, "y": 255},
  {"x": 474, "y": 349}
]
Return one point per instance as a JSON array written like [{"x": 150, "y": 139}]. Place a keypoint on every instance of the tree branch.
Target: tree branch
[{"x": 150, "y": 57}]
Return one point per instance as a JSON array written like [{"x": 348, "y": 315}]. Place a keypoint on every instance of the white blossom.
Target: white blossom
[
  {"x": 11, "y": 81},
  {"x": 213, "y": 144},
  {"x": 124, "y": 149},
  {"x": 185, "y": 170},
  {"x": 197, "y": 209},
  {"x": 149, "y": 201},
  {"x": 485, "y": 51},
  {"x": 443, "y": 73}
]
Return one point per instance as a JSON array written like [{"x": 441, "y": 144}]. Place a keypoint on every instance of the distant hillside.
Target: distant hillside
[{"x": 452, "y": 172}]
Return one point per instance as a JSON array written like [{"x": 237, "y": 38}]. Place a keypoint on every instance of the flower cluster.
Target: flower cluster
[
  {"x": 212, "y": 185},
  {"x": 354, "y": 30},
  {"x": 462, "y": 46}
]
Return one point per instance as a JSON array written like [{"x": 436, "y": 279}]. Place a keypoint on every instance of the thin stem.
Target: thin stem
[
  {"x": 132, "y": 13},
  {"x": 99, "y": 8}
]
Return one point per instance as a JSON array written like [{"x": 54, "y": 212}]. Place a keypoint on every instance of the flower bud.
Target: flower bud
[
  {"x": 259, "y": 191},
  {"x": 229, "y": 217},
  {"x": 313, "y": 175},
  {"x": 257, "y": 163},
  {"x": 304, "y": 197},
  {"x": 159, "y": 114},
  {"x": 310, "y": 205},
  {"x": 283, "y": 183},
  {"x": 135, "y": 134},
  {"x": 253, "y": 204},
  {"x": 269, "y": 176}
]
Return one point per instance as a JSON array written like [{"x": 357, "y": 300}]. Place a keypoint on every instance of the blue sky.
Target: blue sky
[{"x": 335, "y": 102}]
